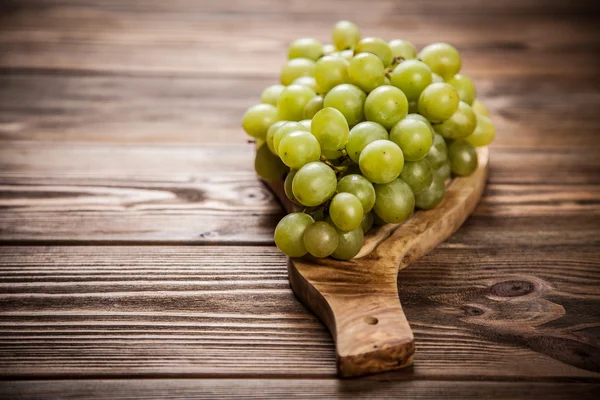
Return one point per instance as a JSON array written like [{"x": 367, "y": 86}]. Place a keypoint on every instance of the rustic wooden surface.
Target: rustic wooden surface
[{"x": 135, "y": 240}]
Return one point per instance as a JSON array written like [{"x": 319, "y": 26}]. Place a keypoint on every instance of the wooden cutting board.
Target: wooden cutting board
[{"x": 358, "y": 300}]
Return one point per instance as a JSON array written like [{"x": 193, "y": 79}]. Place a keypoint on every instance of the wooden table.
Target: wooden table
[{"x": 137, "y": 256}]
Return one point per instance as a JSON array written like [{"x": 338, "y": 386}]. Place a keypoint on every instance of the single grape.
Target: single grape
[
  {"x": 480, "y": 108},
  {"x": 413, "y": 137},
  {"x": 296, "y": 68},
  {"x": 381, "y": 161},
  {"x": 444, "y": 172},
  {"x": 463, "y": 158},
  {"x": 271, "y": 94},
  {"x": 320, "y": 239},
  {"x": 366, "y": 71},
  {"x": 431, "y": 196},
  {"x": 386, "y": 81},
  {"x": 259, "y": 142},
  {"x": 330, "y": 128},
  {"x": 292, "y": 101},
  {"x": 375, "y": 46},
  {"x": 460, "y": 125},
  {"x": 314, "y": 184},
  {"x": 289, "y": 234},
  {"x": 346, "y": 55},
  {"x": 331, "y": 155},
  {"x": 395, "y": 201},
  {"x": 328, "y": 49},
  {"x": 331, "y": 71},
  {"x": 307, "y": 81},
  {"x": 417, "y": 174},
  {"x": 284, "y": 130},
  {"x": 271, "y": 133},
  {"x": 435, "y": 78},
  {"x": 403, "y": 49},
  {"x": 412, "y": 77},
  {"x": 312, "y": 107},
  {"x": 268, "y": 166},
  {"x": 349, "y": 244},
  {"x": 438, "y": 153},
  {"x": 442, "y": 58},
  {"x": 437, "y": 102},
  {"x": 346, "y": 211},
  {"x": 367, "y": 222},
  {"x": 345, "y": 35},
  {"x": 464, "y": 86},
  {"x": 360, "y": 187},
  {"x": 306, "y": 124},
  {"x": 421, "y": 118},
  {"x": 287, "y": 185},
  {"x": 306, "y": 48},
  {"x": 386, "y": 105},
  {"x": 361, "y": 135},
  {"x": 258, "y": 119},
  {"x": 484, "y": 132},
  {"x": 349, "y": 100},
  {"x": 299, "y": 148}
]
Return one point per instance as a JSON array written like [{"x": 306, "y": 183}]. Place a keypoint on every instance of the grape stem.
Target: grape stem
[{"x": 337, "y": 169}]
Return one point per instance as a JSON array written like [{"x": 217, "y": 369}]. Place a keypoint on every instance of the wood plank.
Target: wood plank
[
  {"x": 528, "y": 111},
  {"x": 494, "y": 312},
  {"x": 81, "y": 193},
  {"x": 273, "y": 388}
]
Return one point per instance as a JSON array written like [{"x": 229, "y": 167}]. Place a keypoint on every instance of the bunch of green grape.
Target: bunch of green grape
[{"x": 363, "y": 131}]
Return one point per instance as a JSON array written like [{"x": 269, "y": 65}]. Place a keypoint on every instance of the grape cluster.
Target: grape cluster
[{"x": 363, "y": 131}]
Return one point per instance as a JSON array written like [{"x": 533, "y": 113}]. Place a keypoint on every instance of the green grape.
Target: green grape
[
  {"x": 349, "y": 100},
  {"x": 377, "y": 220},
  {"x": 258, "y": 119},
  {"x": 268, "y": 166},
  {"x": 305, "y": 48},
  {"x": 361, "y": 135},
  {"x": 413, "y": 137},
  {"x": 442, "y": 58},
  {"x": 296, "y": 68},
  {"x": 437, "y": 102},
  {"x": 271, "y": 133},
  {"x": 271, "y": 94},
  {"x": 284, "y": 130},
  {"x": 421, "y": 118},
  {"x": 320, "y": 239},
  {"x": 312, "y": 107},
  {"x": 464, "y": 86},
  {"x": 307, "y": 81},
  {"x": 444, "y": 171},
  {"x": 292, "y": 101},
  {"x": 431, "y": 196},
  {"x": 412, "y": 77},
  {"x": 349, "y": 244},
  {"x": 287, "y": 185},
  {"x": 289, "y": 234},
  {"x": 346, "y": 211},
  {"x": 331, "y": 155},
  {"x": 403, "y": 49},
  {"x": 417, "y": 174},
  {"x": 395, "y": 201},
  {"x": 259, "y": 142},
  {"x": 347, "y": 55},
  {"x": 328, "y": 49},
  {"x": 480, "y": 108},
  {"x": 435, "y": 78},
  {"x": 375, "y": 46},
  {"x": 314, "y": 184},
  {"x": 298, "y": 148},
  {"x": 381, "y": 161},
  {"x": 360, "y": 187},
  {"x": 463, "y": 158},
  {"x": 438, "y": 153},
  {"x": 366, "y": 71},
  {"x": 484, "y": 132},
  {"x": 330, "y": 128},
  {"x": 306, "y": 124},
  {"x": 345, "y": 35},
  {"x": 460, "y": 125},
  {"x": 386, "y": 105},
  {"x": 367, "y": 222},
  {"x": 386, "y": 81},
  {"x": 331, "y": 71}
]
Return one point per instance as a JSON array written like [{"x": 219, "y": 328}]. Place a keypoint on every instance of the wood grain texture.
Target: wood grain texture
[
  {"x": 201, "y": 311},
  {"x": 260, "y": 389}
]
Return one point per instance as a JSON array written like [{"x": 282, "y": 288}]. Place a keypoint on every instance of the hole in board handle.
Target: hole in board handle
[{"x": 371, "y": 320}]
